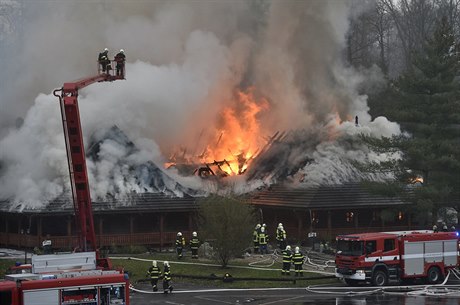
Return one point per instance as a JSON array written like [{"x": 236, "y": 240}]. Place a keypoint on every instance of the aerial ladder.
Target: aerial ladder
[{"x": 68, "y": 99}]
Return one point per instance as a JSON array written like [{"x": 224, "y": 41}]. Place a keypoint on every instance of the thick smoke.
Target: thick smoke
[{"x": 184, "y": 61}]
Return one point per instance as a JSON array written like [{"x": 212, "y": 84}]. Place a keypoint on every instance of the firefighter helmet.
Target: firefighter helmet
[
  {"x": 179, "y": 234},
  {"x": 154, "y": 263},
  {"x": 297, "y": 249},
  {"x": 122, "y": 51},
  {"x": 194, "y": 234},
  {"x": 280, "y": 225},
  {"x": 262, "y": 229},
  {"x": 166, "y": 263},
  {"x": 288, "y": 247},
  {"x": 106, "y": 50},
  {"x": 258, "y": 226}
]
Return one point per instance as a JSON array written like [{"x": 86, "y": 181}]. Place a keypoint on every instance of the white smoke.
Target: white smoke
[{"x": 184, "y": 60}]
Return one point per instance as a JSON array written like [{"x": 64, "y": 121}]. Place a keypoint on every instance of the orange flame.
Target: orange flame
[{"x": 238, "y": 137}]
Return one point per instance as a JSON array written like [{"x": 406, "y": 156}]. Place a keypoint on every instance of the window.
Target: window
[
  {"x": 371, "y": 246},
  {"x": 388, "y": 245},
  {"x": 5, "y": 297}
]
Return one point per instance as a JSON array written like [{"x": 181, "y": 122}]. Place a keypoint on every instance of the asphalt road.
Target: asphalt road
[{"x": 294, "y": 296}]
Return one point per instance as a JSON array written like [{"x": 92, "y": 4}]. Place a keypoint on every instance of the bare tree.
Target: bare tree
[{"x": 414, "y": 21}]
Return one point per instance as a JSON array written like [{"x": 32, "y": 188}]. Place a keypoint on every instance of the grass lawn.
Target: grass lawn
[{"x": 181, "y": 271}]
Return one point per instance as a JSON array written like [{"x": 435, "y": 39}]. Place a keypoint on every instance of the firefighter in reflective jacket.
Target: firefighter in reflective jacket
[
  {"x": 194, "y": 245},
  {"x": 287, "y": 259},
  {"x": 180, "y": 244},
  {"x": 255, "y": 236},
  {"x": 104, "y": 60},
  {"x": 263, "y": 240},
  {"x": 154, "y": 273},
  {"x": 167, "y": 287},
  {"x": 120, "y": 59},
  {"x": 297, "y": 259},
  {"x": 281, "y": 236}
]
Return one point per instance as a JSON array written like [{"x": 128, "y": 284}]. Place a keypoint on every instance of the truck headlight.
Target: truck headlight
[{"x": 360, "y": 272}]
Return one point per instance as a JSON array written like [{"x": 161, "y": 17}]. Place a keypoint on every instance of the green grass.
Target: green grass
[{"x": 137, "y": 271}]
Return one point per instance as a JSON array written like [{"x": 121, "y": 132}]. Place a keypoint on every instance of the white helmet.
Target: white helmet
[
  {"x": 264, "y": 225},
  {"x": 166, "y": 263},
  {"x": 194, "y": 234},
  {"x": 262, "y": 229},
  {"x": 288, "y": 247},
  {"x": 154, "y": 263},
  {"x": 297, "y": 249},
  {"x": 106, "y": 50},
  {"x": 179, "y": 234},
  {"x": 280, "y": 225},
  {"x": 258, "y": 226},
  {"x": 122, "y": 51}
]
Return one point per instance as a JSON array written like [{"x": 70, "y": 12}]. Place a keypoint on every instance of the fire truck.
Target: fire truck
[
  {"x": 403, "y": 256},
  {"x": 82, "y": 277}
]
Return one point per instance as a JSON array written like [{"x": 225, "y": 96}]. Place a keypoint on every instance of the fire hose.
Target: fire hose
[{"x": 441, "y": 289}]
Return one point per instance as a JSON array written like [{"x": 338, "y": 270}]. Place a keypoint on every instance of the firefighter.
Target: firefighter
[
  {"x": 47, "y": 245},
  {"x": 194, "y": 245},
  {"x": 297, "y": 259},
  {"x": 255, "y": 236},
  {"x": 281, "y": 236},
  {"x": 263, "y": 240},
  {"x": 435, "y": 228},
  {"x": 104, "y": 60},
  {"x": 287, "y": 259},
  {"x": 167, "y": 287},
  {"x": 180, "y": 244},
  {"x": 452, "y": 228},
  {"x": 154, "y": 273},
  {"x": 444, "y": 227},
  {"x": 120, "y": 59}
]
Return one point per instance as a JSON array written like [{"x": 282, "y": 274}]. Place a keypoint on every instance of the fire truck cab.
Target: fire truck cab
[
  {"x": 383, "y": 257},
  {"x": 62, "y": 279}
]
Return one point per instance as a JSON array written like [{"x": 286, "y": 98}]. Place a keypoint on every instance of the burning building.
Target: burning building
[{"x": 248, "y": 93}]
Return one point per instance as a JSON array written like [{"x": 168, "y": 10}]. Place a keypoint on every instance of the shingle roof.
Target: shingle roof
[
  {"x": 323, "y": 197},
  {"x": 351, "y": 195}
]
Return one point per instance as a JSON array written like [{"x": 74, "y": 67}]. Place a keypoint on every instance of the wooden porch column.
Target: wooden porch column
[
  {"x": 69, "y": 232},
  {"x": 329, "y": 224},
  {"x": 131, "y": 224},
  {"x": 356, "y": 219},
  {"x": 299, "y": 225},
  {"x": 69, "y": 226},
  {"x": 162, "y": 222},
  {"x": 190, "y": 224},
  {"x": 39, "y": 230},
  {"x": 7, "y": 231},
  {"x": 100, "y": 225},
  {"x": 382, "y": 221}
]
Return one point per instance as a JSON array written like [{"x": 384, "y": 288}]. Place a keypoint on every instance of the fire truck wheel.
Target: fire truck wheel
[
  {"x": 434, "y": 275},
  {"x": 379, "y": 278}
]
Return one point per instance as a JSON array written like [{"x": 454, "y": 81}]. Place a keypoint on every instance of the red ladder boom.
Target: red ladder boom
[{"x": 68, "y": 99}]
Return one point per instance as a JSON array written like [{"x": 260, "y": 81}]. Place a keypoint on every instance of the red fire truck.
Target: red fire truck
[
  {"x": 383, "y": 257},
  {"x": 81, "y": 277},
  {"x": 61, "y": 279}
]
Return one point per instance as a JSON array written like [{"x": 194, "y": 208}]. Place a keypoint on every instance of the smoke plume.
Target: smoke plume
[{"x": 185, "y": 59}]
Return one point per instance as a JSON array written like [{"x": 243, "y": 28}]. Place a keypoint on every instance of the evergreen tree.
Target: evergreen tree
[{"x": 428, "y": 108}]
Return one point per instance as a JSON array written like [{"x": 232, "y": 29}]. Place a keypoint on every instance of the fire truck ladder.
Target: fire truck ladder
[{"x": 68, "y": 99}]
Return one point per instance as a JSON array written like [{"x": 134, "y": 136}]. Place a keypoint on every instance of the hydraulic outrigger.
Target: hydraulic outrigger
[{"x": 68, "y": 99}]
